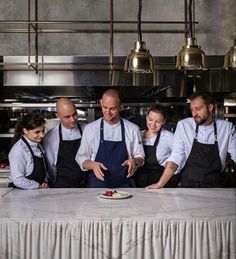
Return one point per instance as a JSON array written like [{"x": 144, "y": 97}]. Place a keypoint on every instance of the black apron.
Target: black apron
[
  {"x": 40, "y": 166},
  {"x": 203, "y": 166},
  {"x": 112, "y": 154},
  {"x": 151, "y": 171},
  {"x": 69, "y": 174}
]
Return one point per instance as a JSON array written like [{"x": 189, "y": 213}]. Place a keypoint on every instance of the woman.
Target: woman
[
  {"x": 158, "y": 144},
  {"x": 28, "y": 168}
]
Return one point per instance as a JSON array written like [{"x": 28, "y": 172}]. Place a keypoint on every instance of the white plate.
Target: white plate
[{"x": 117, "y": 196}]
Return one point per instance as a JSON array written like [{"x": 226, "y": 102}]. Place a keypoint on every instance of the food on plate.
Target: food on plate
[{"x": 110, "y": 193}]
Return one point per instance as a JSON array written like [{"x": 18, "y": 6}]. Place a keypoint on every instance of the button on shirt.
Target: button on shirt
[
  {"x": 164, "y": 146},
  {"x": 185, "y": 134},
  {"x": 91, "y": 140},
  {"x": 51, "y": 143},
  {"x": 22, "y": 164}
]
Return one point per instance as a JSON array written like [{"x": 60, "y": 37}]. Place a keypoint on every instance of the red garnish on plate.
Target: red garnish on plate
[{"x": 109, "y": 193}]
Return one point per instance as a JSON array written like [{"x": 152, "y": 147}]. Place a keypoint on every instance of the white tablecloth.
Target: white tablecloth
[{"x": 76, "y": 223}]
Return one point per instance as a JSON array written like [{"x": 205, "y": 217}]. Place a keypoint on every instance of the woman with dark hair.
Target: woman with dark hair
[
  {"x": 158, "y": 144},
  {"x": 28, "y": 167}
]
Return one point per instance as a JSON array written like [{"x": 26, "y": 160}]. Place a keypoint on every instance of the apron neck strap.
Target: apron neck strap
[
  {"x": 41, "y": 150},
  {"x": 215, "y": 131},
  {"x": 102, "y": 130},
  {"x": 157, "y": 138},
  {"x": 60, "y": 131},
  {"x": 28, "y": 145}
]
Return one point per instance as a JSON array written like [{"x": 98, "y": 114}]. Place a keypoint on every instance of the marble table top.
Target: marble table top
[
  {"x": 82, "y": 204},
  {"x": 4, "y": 191}
]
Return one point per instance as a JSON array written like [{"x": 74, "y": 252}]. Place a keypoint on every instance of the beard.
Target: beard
[
  {"x": 207, "y": 119},
  {"x": 200, "y": 121}
]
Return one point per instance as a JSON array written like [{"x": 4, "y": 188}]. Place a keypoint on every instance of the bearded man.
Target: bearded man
[{"x": 201, "y": 144}]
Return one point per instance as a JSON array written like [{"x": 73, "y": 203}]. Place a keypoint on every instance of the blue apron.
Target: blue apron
[{"x": 112, "y": 154}]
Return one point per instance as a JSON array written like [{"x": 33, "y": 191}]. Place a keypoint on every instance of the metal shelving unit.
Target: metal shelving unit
[{"x": 33, "y": 28}]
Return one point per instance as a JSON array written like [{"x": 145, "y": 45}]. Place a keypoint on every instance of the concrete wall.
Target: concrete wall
[{"x": 215, "y": 32}]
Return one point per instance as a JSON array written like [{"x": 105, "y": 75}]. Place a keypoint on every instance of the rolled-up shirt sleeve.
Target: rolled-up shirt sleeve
[{"x": 178, "y": 154}]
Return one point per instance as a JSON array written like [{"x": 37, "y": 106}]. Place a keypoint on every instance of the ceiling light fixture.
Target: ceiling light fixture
[
  {"x": 139, "y": 60},
  {"x": 230, "y": 57},
  {"x": 191, "y": 56}
]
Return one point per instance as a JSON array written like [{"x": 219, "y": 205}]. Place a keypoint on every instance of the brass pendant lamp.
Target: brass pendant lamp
[
  {"x": 230, "y": 58},
  {"x": 191, "y": 56},
  {"x": 139, "y": 60}
]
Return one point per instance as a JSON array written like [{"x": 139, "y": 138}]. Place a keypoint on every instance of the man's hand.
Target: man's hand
[
  {"x": 167, "y": 174},
  {"x": 133, "y": 165},
  {"x": 97, "y": 169},
  {"x": 154, "y": 186}
]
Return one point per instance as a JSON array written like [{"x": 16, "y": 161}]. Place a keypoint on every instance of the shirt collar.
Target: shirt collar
[
  {"x": 31, "y": 143},
  {"x": 69, "y": 130},
  {"x": 112, "y": 125}
]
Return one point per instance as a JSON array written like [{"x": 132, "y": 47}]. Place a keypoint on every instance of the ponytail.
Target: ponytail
[{"x": 18, "y": 132}]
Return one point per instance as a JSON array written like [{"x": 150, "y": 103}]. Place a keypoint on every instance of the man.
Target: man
[
  {"x": 201, "y": 144},
  {"x": 111, "y": 147},
  {"x": 61, "y": 145}
]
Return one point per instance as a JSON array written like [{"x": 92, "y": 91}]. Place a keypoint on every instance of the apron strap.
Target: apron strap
[
  {"x": 42, "y": 152},
  {"x": 102, "y": 130},
  {"x": 157, "y": 138},
  {"x": 28, "y": 145},
  {"x": 44, "y": 159},
  {"x": 215, "y": 132},
  {"x": 60, "y": 131}
]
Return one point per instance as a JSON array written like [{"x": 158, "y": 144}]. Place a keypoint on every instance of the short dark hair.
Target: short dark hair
[
  {"x": 158, "y": 109},
  {"x": 206, "y": 96},
  {"x": 114, "y": 92}
]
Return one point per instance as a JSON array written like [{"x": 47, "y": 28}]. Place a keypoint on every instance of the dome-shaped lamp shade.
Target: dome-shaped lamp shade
[
  {"x": 139, "y": 60},
  {"x": 191, "y": 56},
  {"x": 230, "y": 58}
]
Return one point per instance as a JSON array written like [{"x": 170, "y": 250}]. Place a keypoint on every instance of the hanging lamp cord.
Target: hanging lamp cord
[
  {"x": 190, "y": 18},
  {"x": 139, "y": 20}
]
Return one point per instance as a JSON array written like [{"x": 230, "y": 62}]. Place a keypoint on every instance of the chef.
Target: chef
[
  {"x": 201, "y": 144},
  {"x": 61, "y": 145},
  {"x": 158, "y": 144},
  {"x": 28, "y": 165},
  {"x": 111, "y": 148}
]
